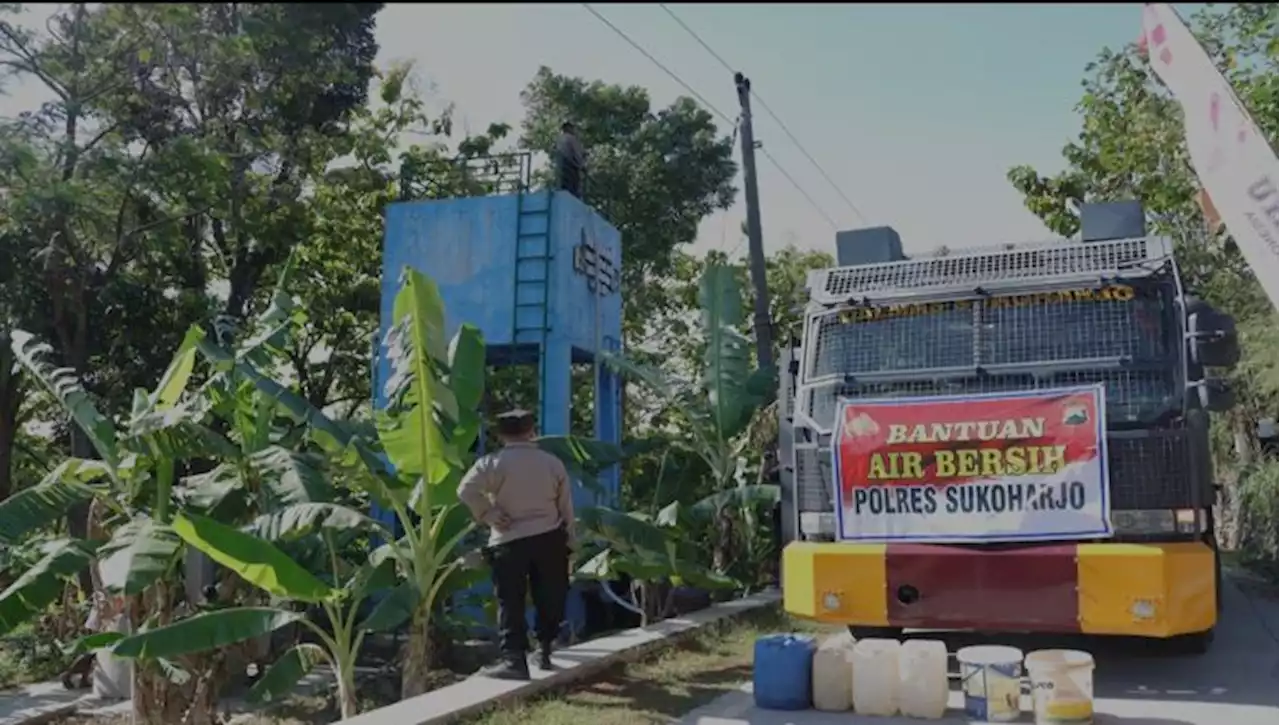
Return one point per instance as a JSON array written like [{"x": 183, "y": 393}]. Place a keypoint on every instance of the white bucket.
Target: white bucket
[
  {"x": 991, "y": 678},
  {"x": 1061, "y": 686}
]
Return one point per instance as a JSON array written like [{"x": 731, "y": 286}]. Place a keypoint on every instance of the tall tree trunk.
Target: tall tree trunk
[
  {"x": 11, "y": 394},
  {"x": 416, "y": 662},
  {"x": 8, "y": 436},
  {"x": 1243, "y": 436}
]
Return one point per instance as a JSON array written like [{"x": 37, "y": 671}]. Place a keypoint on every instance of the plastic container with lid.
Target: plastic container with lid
[
  {"x": 922, "y": 679},
  {"x": 833, "y": 674},
  {"x": 782, "y": 672},
  {"x": 875, "y": 677}
]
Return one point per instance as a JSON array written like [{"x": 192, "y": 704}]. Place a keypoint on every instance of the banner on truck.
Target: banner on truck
[{"x": 1007, "y": 467}]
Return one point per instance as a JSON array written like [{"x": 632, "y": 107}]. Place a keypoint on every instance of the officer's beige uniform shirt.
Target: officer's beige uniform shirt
[{"x": 524, "y": 482}]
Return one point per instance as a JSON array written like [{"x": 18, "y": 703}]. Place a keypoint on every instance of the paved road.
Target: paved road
[{"x": 1234, "y": 684}]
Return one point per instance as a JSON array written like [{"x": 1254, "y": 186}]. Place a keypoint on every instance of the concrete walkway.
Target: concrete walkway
[
  {"x": 41, "y": 702},
  {"x": 1234, "y": 684}
]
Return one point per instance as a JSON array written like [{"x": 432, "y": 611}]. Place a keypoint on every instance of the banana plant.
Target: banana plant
[
  {"x": 133, "y": 482},
  {"x": 421, "y": 448},
  {"x": 271, "y": 570},
  {"x": 717, "y": 408},
  {"x": 657, "y": 553},
  {"x": 413, "y": 466},
  {"x": 136, "y": 481}
]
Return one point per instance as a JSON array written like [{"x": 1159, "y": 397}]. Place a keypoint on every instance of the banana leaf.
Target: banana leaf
[
  {"x": 584, "y": 458},
  {"x": 466, "y": 381},
  {"x": 205, "y": 632},
  {"x": 738, "y": 496},
  {"x": 255, "y": 560},
  {"x": 292, "y": 477},
  {"x": 34, "y": 508},
  {"x": 409, "y": 428},
  {"x": 283, "y": 674},
  {"x": 43, "y": 583},
  {"x": 174, "y": 381},
  {"x": 727, "y": 357},
  {"x": 624, "y": 532},
  {"x": 139, "y": 553},
  {"x": 394, "y": 609},
  {"x": 64, "y": 385},
  {"x": 298, "y": 520}
]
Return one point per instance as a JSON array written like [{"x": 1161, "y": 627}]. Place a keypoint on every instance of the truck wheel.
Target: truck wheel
[
  {"x": 875, "y": 632},
  {"x": 1211, "y": 538},
  {"x": 1194, "y": 644}
]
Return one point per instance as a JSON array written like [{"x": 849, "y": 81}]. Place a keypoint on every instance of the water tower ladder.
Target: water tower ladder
[{"x": 531, "y": 321}]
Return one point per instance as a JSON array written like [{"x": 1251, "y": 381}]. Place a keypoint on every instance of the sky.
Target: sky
[{"x": 916, "y": 112}]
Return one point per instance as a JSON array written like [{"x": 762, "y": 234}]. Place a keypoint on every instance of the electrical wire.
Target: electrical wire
[
  {"x": 698, "y": 96},
  {"x": 769, "y": 110},
  {"x": 658, "y": 63}
]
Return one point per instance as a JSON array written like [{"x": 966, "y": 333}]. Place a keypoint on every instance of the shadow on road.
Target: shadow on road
[{"x": 1240, "y": 667}]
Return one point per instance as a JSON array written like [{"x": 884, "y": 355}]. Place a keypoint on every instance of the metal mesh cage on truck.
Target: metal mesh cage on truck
[
  {"x": 1012, "y": 266},
  {"x": 1016, "y": 319}
]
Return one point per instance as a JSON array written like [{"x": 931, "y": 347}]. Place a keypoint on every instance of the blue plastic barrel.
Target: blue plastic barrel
[{"x": 783, "y": 672}]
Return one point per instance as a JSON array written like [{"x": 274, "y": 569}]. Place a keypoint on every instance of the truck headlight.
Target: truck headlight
[{"x": 1158, "y": 521}]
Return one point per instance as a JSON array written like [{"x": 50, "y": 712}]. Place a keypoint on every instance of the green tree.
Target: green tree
[
  {"x": 1131, "y": 146},
  {"x": 654, "y": 174},
  {"x": 713, "y": 409},
  {"x": 339, "y": 269},
  {"x": 138, "y": 193}
]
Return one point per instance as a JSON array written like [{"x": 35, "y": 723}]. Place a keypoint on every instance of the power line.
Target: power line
[
  {"x": 698, "y": 38},
  {"x": 709, "y": 105},
  {"x": 796, "y": 184},
  {"x": 767, "y": 109},
  {"x": 659, "y": 64}
]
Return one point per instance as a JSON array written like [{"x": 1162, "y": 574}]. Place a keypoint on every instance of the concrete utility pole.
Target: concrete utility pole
[{"x": 755, "y": 242}]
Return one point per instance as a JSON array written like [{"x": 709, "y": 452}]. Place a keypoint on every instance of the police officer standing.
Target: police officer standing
[
  {"x": 570, "y": 160},
  {"x": 523, "y": 495}
]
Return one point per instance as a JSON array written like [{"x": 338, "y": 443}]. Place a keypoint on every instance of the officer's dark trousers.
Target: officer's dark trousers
[
  {"x": 571, "y": 179},
  {"x": 537, "y": 564}
]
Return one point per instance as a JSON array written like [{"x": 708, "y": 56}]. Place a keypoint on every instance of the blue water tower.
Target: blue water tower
[{"x": 537, "y": 271}]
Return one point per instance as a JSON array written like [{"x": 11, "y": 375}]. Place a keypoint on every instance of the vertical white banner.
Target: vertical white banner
[{"x": 1235, "y": 164}]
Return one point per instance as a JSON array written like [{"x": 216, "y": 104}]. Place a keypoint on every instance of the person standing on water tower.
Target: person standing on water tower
[
  {"x": 570, "y": 160},
  {"x": 522, "y": 494}
]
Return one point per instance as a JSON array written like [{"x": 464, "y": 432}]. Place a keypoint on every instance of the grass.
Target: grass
[
  {"x": 25, "y": 659},
  {"x": 660, "y": 689}
]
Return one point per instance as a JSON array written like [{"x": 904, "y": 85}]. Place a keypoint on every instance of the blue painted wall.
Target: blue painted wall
[
  {"x": 488, "y": 255},
  {"x": 503, "y": 263},
  {"x": 469, "y": 247}
]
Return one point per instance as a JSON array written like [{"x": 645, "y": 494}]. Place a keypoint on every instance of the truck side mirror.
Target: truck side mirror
[
  {"x": 1211, "y": 336},
  {"x": 1212, "y": 394}
]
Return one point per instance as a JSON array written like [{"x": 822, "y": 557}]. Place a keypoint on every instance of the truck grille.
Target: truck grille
[
  {"x": 1148, "y": 470},
  {"x": 1132, "y": 395},
  {"x": 1041, "y": 328}
]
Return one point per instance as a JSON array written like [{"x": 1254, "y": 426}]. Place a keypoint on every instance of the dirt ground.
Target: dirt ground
[{"x": 657, "y": 690}]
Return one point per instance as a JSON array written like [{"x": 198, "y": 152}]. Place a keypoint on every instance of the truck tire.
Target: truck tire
[
  {"x": 1194, "y": 644},
  {"x": 1211, "y": 538}
]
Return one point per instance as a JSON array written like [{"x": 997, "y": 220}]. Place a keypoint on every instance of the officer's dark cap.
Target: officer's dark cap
[
  {"x": 516, "y": 422},
  {"x": 568, "y": 126}
]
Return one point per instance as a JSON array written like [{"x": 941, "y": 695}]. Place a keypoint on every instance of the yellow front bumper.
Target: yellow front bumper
[{"x": 1150, "y": 590}]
